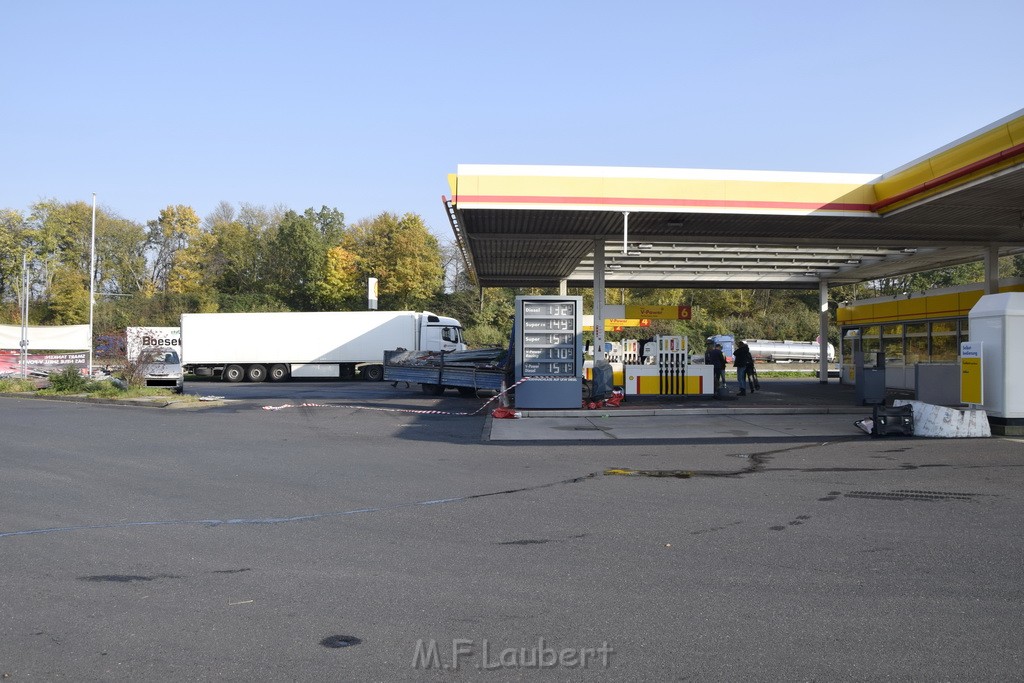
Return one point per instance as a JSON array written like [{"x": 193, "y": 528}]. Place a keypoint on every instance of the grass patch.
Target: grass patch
[
  {"x": 70, "y": 382},
  {"x": 16, "y": 385},
  {"x": 110, "y": 390}
]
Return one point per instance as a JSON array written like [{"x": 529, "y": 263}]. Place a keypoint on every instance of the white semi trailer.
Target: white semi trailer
[{"x": 276, "y": 346}]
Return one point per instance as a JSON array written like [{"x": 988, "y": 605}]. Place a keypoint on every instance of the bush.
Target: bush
[
  {"x": 484, "y": 336},
  {"x": 134, "y": 370},
  {"x": 69, "y": 381}
]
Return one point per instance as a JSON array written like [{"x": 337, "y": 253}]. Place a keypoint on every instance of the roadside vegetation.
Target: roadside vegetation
[
  {"x": 10, "y": 385},
  {"x": 70, "y": 382}
]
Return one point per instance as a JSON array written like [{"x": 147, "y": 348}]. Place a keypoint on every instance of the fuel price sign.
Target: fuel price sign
[{"x": 549, "y": 351}]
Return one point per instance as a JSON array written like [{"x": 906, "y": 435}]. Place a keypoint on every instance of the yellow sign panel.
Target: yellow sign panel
[
  {"x": 616, "y": 324},
  {"x": 970, "y": 373},
  {"x": 659, "y": 312},
  {"x": 652, "y": 385}
]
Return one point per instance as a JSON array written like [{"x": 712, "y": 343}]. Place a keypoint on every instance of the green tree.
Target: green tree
[
  {"x": 235, "y": 262},
  {"x": 11, "y": 250},
  {"x": 120, "y": 255},
  {"x": 59, "y": 235},
  {"x": 167, "y": 238},
  {"x": 402, "y": 254},
  {"x": 962, "y": 274},
  {"x": 330, "y": 223},
  {"x": 1016, "y": 268},
  {"x": 296, "y": 262},
  {"x": 341, "y": 286},
  {"x": 68, "y": 302}
]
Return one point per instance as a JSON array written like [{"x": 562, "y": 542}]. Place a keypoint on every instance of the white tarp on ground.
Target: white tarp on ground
[
  {"x": 50, "y": 338},
  {"x": 950, "y": 423}
]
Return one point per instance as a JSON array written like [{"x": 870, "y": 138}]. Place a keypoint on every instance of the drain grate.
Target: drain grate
[{"x": 911, "y": 494}]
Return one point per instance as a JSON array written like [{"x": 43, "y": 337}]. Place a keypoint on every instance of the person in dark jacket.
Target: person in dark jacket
[
  {"x": 744, "y": 364},
  {"x": 716, "y": 358}
]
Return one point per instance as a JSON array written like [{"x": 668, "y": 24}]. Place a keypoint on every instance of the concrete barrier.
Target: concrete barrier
[{"x": 947, "y": 423}]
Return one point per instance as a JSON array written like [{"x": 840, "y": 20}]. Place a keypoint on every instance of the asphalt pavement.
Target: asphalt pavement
[
  {"x": 228, "y": 542},
  {"x": 783, "y": 408}
]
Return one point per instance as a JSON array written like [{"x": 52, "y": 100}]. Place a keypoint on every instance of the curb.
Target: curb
[
  {"x": 655, "y": 412},
  {"x": 129, "y": 402}
]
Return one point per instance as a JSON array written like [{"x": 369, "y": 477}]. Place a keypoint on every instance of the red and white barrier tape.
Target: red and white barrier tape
[{"x": 398, "y": 410}]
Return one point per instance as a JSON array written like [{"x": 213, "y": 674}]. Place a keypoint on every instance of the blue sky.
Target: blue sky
[{"x": 366, "y": 107}]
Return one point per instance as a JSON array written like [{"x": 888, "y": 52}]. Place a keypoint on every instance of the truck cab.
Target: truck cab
[{"x": 442, "y": 334}]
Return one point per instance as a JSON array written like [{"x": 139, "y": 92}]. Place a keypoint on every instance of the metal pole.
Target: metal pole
[
  {"x": 92, "y": 278},
  {"x": 598, "y": 300},
  {"x": 24, "y": 318},
  {"x": 823, "y": 331}
]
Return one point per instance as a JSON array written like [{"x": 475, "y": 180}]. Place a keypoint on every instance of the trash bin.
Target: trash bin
[
  {"x": 603, "y": 381},
  {"x": 871, "y": 386},
  {"x": 870, "y": 389}
]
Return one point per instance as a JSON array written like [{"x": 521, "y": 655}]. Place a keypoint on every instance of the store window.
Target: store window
[
  {"x": 851, "y": 344},
  {"x": 945, "y": 344},
  {"x": 917, "y": 343},
  {"x": 871, "y": 344},
  {"x": 892, "y": 344}
]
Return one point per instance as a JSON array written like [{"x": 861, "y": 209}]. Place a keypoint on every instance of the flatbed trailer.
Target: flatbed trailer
[{"x": 467, "y": 371}]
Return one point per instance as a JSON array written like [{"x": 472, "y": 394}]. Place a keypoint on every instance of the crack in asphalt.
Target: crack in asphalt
[{"x": 296, "y": 518}]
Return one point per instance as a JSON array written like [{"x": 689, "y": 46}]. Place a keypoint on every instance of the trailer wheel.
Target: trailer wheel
[
  {"x": 256, "y": 373},
  {"x": 373, "y": 373},
  {"x": 234, "y": 373},
  {"x": 278, "y": 372},
  {"x": 432, "y": 389}
]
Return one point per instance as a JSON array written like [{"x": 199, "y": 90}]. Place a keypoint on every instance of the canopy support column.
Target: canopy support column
[
  {"x": 598, "y": 300},
  {"x": 823, "y": 331},
  {"x": 992, "y": 269},
  {"x": 625, "y": 232},
  {"x": 563, "y": 288}
]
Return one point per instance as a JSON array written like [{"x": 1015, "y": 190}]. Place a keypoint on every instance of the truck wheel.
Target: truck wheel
[
  {"x": 467, "y": 391},
  {"x": 234, "y": 373},
  {"x": 373, "y": 373},
  {"x": 256, "y": 373},
  {"x": 278, "y": 372},
  {"x": 432, "y": 389}
]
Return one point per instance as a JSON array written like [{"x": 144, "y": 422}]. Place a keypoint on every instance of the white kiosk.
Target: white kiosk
[{"x": 997, "y": 321}]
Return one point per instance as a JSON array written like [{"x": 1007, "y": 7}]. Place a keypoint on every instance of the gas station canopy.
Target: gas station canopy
[{"x": 537, "y": 226}]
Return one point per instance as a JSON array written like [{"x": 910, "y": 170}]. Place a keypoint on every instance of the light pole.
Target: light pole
[
  {"x": 24, "y": 318},
  {"x": 92, "y": 279}
]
